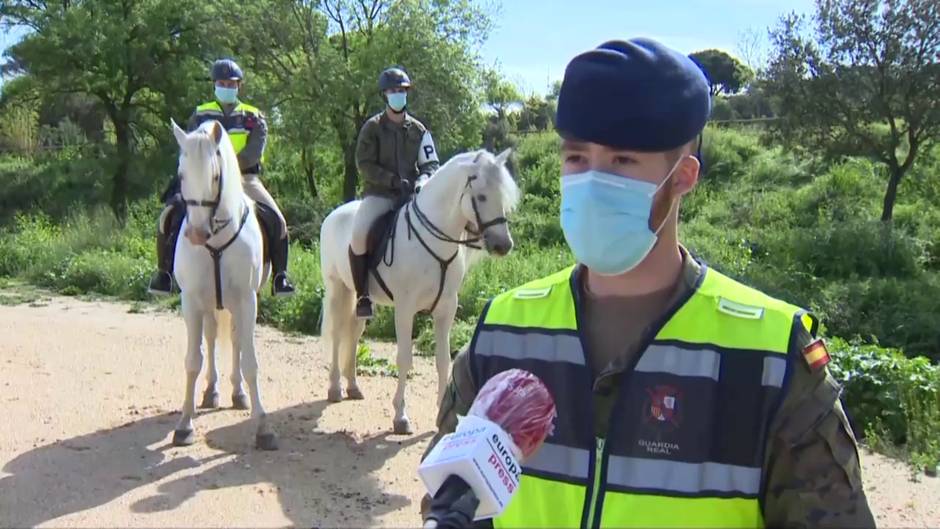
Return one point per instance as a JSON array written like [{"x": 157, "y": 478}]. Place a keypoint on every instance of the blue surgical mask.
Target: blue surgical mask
[
  {"x": 397, "y": 100},
  {"x": 226, "y": 95},
  {"x": 605, "y": 219}
]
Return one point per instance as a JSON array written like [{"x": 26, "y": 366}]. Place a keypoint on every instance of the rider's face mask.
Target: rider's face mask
[
  {"x": 226, "y": 94},
  {"x": 397, "y": 100}
]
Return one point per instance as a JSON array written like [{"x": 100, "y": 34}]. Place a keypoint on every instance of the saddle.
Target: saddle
[
  {"x": 380, "y": 243},
  {"x": 267, "y": 219},
  {"x": 379, "y": 236},
  {"x": 270, "y": 229}
]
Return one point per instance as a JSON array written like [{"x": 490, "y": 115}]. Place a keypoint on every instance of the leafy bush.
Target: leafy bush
[{"x": 890, "y": 395}]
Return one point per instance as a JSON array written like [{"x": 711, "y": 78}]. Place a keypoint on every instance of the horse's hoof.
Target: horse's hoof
[
  {"x": 210, "y": 400},
  {"x": 402, "y": 426},
  {"x": 334, "y": 395},
  {"x": 354, "y": 393},
  {"x": 266, "y": 441},
  {"x": 240, "y": 401},
  {"x": 183, "y": 437}
]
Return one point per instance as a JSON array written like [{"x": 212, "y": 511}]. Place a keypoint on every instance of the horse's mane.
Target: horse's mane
[{"x": 232, "y": 189}]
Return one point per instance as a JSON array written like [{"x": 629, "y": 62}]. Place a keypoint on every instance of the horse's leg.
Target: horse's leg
[
  {"x": 443, "y": 321},
  {"x": 184, "y": 434},
  {"x": 243, "y": 320},
  {"x": 210, "y": 399},
  {"x": 337, "y": 324},
  {"x": 404, "y": 322},
  {"x": 239, "y": 398},
  {"x": 350, "y": 350}
]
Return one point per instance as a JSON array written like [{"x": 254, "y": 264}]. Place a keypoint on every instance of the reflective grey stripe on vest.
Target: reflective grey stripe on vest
[
  {"x": 690, "y": 478},
  {"x": 560, "y": 460},
  {"x": 660, "y": 358},
  {"x": 237, "y": 130},
  {"x": 774, "y": 370},
  {"x": 682, "y": 362},
  {"x": 209, "y": 112},
  {"x": 531, "y": 345}
]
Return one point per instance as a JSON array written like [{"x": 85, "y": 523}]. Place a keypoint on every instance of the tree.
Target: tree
[
  {"x": 324, "y": 59},
  {"x": 500, "y": 95},
  {"x": 752, "y": 48},
  {"x": 537, "y": 114},
  {"x": 865, "y": 83},
  {"x": 132, "y": 56},
  {"x": 725, "y": 73}
]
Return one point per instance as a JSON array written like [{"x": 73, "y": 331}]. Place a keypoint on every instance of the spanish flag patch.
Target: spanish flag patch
[{"x": 816, "y": 354}]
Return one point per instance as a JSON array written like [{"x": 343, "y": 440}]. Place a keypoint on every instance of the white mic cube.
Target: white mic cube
[{"x": 481, "y": 453}]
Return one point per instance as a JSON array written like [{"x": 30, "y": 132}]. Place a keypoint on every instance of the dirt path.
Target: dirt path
[{"x": 90, "y": 393}]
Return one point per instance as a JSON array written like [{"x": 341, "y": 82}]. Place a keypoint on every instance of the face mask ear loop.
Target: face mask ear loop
[{"x": 672, "y": 202}]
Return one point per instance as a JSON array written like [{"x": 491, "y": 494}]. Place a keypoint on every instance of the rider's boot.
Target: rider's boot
[
  {"x": 280, "y": 284},
  {"x": 360, "y": 273},
  {"x": 161, "y": 283}
]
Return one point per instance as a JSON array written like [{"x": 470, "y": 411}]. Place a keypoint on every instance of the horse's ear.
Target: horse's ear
[
  {"x": 216, "y": 131},
  {"x": 178, "y": 132},
  {"x": 503, "y": 156},
  {"x": 477, "y": 157}
]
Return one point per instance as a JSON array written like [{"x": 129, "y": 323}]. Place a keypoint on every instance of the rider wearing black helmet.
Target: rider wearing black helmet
[
  {"x": 247, "y": 130},
  {"x": 395, "y": 155}
]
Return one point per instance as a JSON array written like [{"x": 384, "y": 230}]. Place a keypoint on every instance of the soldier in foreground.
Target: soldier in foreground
[{"x": 684, "y": 397}]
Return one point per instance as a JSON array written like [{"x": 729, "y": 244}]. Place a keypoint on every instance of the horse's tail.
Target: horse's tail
[{"x": 223, "y": 319}]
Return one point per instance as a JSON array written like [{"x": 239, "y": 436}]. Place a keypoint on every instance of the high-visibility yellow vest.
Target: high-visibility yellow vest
[
  {"x": 234, "y": 123},
  {"x": 687, "y": 435}
]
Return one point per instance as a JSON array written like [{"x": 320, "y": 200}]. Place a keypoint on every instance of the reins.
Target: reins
[
  {"x": 440, "y": 235},
  {"x": 217, "y": 226}
]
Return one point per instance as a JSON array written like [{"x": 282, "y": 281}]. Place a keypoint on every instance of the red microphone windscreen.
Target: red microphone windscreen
[{"x": 520, "y": 403}]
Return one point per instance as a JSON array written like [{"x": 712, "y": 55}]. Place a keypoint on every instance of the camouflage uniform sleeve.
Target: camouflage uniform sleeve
[
  {"x": 812, "y": 463},
  {"x": 458, "y": 397},
  {"x": 367, "y": 158},
  {"x": 250, "y": 155}
]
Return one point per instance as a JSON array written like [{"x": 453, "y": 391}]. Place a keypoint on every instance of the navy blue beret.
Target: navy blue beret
[{"x": 637, "y": 95}]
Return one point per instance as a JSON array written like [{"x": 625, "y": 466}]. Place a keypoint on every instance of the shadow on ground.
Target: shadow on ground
[{"x": 321, "y": 479}]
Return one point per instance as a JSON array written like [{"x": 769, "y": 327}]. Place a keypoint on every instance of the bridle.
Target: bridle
[
  {"x": 217, "y": 226},
  {"x": 213, "y": 205},
  {"x": 481, "y": 226},
  {"x": 439, "y": 234}
]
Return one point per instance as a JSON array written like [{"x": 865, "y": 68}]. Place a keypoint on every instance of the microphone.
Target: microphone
[{"x": 473, "y": 473}]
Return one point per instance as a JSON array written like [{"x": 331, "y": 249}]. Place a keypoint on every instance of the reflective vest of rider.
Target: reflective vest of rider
[
  {"x": 238, "y": 124},
  {"x": 687, "y": 435}
]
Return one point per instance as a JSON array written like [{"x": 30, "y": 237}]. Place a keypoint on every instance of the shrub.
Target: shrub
[{"x": 891, "y": 395}]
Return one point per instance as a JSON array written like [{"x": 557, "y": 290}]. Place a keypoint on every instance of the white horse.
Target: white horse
[
  {"x": 422, "y": 269},
  {"x": 219, "y": 268}
]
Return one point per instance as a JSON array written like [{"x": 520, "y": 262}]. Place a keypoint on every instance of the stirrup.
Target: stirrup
[
  {"x": 364, "y": 308},
  {"x": 285, "y": 290},
  {"x": 161, "y": 284}
]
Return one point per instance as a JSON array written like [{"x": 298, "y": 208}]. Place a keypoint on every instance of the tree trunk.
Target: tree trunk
[
  {"x": 352, "y": 174},
  {"x": 887, "y": 212},
  {"x": 119, "y": 185},
  {"x": 306, "y": 161}
]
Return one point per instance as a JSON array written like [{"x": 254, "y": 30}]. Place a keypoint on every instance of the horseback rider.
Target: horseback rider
[
  {"x": 395, "y": 155},
  {"x": 247, "y": 129}
]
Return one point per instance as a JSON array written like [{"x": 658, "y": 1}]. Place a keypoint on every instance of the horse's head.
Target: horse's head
[
  {"x": 206, "y": 160},
  {"x": 489, "y": 196}
]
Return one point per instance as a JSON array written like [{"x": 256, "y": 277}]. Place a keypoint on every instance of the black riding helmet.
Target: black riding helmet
[
  {"x": 393, "y": 78},
  {"x": 226, "y": 69}
]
